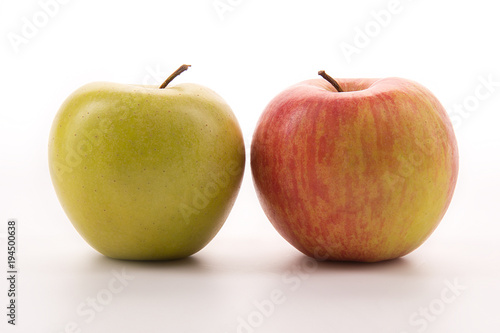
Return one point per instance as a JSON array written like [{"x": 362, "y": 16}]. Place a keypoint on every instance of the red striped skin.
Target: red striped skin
[{"x": 362, "y": 175}]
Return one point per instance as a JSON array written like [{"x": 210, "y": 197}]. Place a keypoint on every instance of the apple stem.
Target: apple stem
[
  {"x": 331, "y": 80},
  {"x": 174, "y": 75}
]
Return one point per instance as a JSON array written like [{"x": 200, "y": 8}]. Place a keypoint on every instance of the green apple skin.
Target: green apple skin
[{"x": 145, "y": 173}]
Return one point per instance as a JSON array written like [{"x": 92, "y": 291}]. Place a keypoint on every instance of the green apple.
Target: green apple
[{"x": 146, "y": 173}]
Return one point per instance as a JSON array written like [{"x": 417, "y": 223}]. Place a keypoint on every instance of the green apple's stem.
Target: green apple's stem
[
  {"x": 174, "y": 75},
  {"x": 331, "y": 80}
]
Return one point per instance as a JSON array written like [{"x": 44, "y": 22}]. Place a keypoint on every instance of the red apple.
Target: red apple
[{"x": 362, "y": 173}]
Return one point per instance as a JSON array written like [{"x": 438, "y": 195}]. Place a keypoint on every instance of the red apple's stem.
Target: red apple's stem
[
  {"x": 174, "y": 75},
  {"x": 331, "y": 80}
]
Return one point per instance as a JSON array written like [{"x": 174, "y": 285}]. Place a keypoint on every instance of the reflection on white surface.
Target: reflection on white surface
[{"x": 237, "y": 286}]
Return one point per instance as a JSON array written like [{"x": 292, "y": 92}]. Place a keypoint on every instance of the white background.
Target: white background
[{"x": 248, "y": 55}]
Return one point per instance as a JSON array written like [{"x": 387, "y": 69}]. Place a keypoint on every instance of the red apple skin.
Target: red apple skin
[{"x": 361, "y": 175}]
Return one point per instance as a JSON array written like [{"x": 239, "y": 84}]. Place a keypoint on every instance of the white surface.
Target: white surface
[{"x": 259, "y": 48}]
